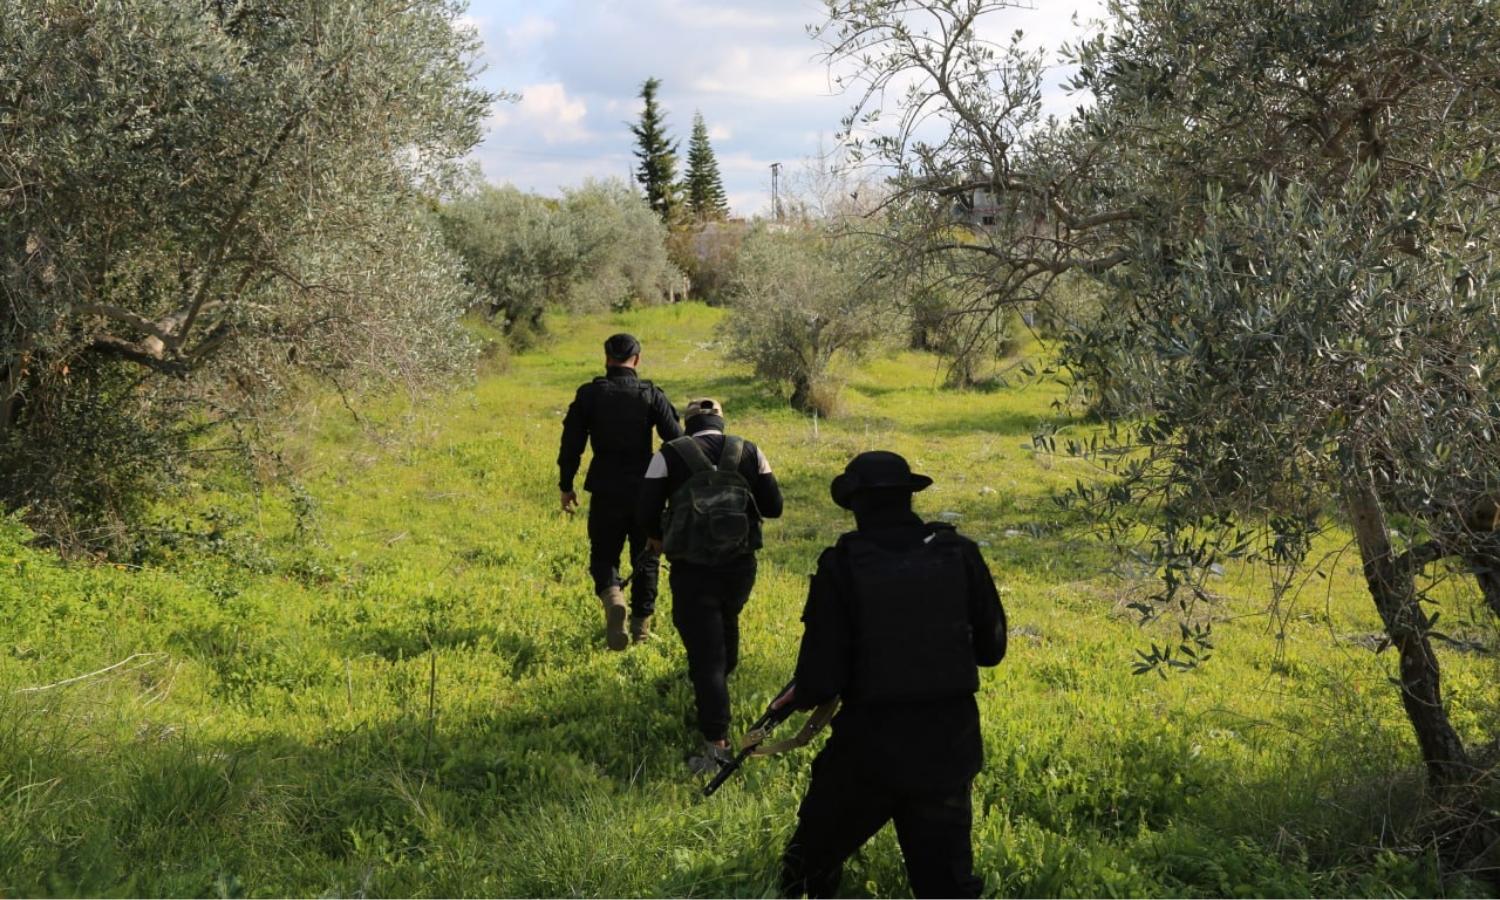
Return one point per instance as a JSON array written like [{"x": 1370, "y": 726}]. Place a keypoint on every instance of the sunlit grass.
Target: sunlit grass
[{"x": 393, "y": 681}]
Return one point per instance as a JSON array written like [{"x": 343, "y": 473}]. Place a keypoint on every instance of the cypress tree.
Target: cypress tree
[
  {"x": 705, "y": 189},
  {"x": 657, "y": 154}
]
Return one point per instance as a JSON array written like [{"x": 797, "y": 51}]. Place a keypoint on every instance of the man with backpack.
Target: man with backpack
[
  {"x": 616, "y": 414},
  {"x": 715, "y": 489},
  {"x": 899, "y": 617}
]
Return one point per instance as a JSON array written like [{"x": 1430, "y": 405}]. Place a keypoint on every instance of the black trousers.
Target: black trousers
[
  {"x": 611, "y": 524},
  {"x": 706, "y": 604},
  {"x": 843, "y": 809}
]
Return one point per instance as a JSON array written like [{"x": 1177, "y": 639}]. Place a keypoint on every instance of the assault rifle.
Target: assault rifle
[{"x": 751, "y": 743}]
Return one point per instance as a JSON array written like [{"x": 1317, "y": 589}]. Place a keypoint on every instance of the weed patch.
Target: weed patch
[{"x": 396, "y": 682}]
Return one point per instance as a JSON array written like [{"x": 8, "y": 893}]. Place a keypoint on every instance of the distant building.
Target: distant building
[
  {"x": 979, "y": 209},
  {"x": 984, "y": 210}
]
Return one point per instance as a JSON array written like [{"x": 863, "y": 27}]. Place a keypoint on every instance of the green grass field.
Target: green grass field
[{"x": 392, "y": 680}]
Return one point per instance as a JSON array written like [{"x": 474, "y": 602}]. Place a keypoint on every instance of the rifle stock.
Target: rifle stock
[{"x": 726, "y": 772}]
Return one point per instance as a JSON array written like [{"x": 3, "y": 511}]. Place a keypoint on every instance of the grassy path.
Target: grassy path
[{"x": 394, "y": 681}]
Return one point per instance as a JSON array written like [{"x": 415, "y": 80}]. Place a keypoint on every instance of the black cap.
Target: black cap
[
  {"x": 621, "y": 346},
  {"x": 876, "y": 469}
]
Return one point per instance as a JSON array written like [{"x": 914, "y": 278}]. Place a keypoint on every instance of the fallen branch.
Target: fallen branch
[{"x": 85, "y": 677}]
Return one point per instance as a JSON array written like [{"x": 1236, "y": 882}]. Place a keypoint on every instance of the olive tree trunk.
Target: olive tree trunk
[
  {"x": 801, "y": 398},
  {"x": 1485, "y": 565},
  {"x": 9, "y": 398},
  {"x": 1393, "y": 587}
]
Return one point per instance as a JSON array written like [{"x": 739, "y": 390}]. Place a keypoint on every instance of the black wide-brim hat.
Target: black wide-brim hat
[{"x": 875, "y": 470}]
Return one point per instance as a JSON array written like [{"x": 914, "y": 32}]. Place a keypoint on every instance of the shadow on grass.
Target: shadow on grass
[
  {"x": 1009, "y": 422},
  {"x": 516, "y": 799},
  {"x": 394, "y": 643},
  {"x": 1032, "y": 536},
  {"x": 738, "y": 394},
  {"x": 876, "y": 391},
  {"x": 809, "y": 506}
]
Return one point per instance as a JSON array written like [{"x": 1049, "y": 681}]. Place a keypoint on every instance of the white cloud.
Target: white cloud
[
  {"x": 721, "y": 16},
  {"x": 749, "y": 203},
  {"x": 467, "y": 22},
  {"x": 546, "y": 111},
  {"x": 526, "y": 36},
  {"x": 744, "y": 164},
  {"x": 546, "y": 176},
  {"x": 747, "y": 65},
  {"x": 764, "y": 73}
]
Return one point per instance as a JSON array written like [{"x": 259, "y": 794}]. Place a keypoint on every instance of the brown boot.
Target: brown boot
[
  {"x": 614, "y": 618},
  {"x": 640, "y": 629}
]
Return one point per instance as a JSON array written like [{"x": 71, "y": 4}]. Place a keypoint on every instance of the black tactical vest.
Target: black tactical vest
[
  {"x": 913, "y": 640},
  {"x": 620, "y": 433}
]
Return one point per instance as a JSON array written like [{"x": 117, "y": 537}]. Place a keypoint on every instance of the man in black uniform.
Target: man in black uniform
[
  {"x": 899, "y": 616},
  {"x": 616, "y": 414},
  {"x": 710, "y": 585}
]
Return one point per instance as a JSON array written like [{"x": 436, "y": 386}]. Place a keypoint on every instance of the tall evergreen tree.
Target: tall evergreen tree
[
  {"x": 705, "y": 189},
  {"x": 657, "y": 154}
]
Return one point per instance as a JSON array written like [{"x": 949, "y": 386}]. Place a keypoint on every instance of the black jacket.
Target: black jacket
[
  {"x": 615, "y": 414},
  {"x": 928, "y": 745},
  {"x": 656, "y": 491}
]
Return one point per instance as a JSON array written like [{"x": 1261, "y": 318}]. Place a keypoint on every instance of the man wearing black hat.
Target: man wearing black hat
[
  {"x": 899, "y": 617},
  {"x": 729, "y": 481},
  {"x": 616, "y": 413}
]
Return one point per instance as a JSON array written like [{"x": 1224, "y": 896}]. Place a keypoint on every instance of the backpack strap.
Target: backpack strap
[
  {"x": 942, "y": 531},
  {"x": 687, "y": 448},
  {"x": 734, "y": 451}
]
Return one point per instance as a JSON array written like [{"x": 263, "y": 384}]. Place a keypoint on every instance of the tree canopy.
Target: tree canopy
[
  {"x": 196, "y": 196},
  {"x": 706, "y": 200},
  {"x": 1291, "y": 208},
  {"x": 657, "y": 154},
  {"x": 599, "y": 247},
  {"x": 805, "y": 301}
]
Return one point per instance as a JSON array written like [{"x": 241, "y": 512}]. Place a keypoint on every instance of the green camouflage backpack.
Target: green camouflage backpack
[{"x": 711, "y": 519}]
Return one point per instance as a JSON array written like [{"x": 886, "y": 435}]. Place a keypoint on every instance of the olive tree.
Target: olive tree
[
  {"x": 517, "y": 250},
  {"x": 195, "y": 195},
  {"x": 803, "y": 302},
  {"x": 599, "y": 247},
  {"x": 970, "y": 342},
  {"x": 707, "y": 254},
  {"x": 1290, "y": 208},
  {"x": 623, "y": 258}
]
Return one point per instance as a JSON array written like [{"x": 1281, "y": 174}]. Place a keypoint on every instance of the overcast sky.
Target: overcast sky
[{"x": 748, "y": 65}]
